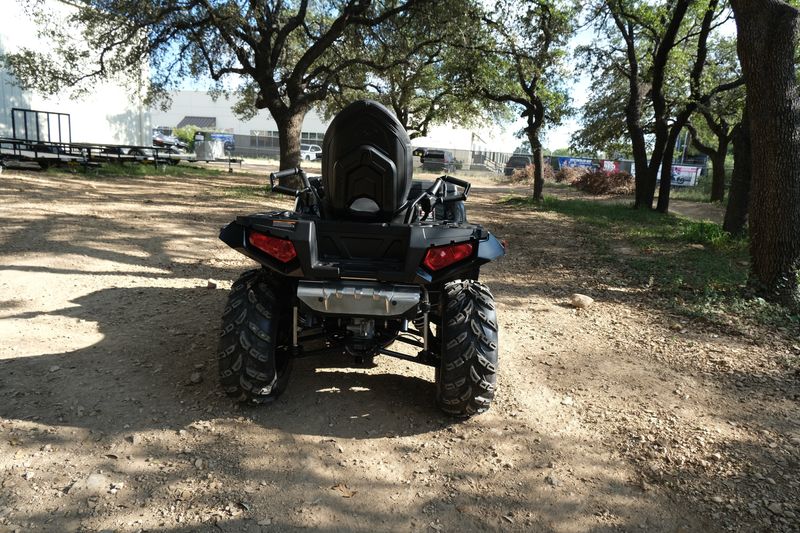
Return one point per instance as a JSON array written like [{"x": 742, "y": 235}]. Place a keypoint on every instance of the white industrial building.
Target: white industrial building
[
  {"x": 200, "y": 109},
  {"x": 257, "y": 136},
  {"x": 106, "y": 115}
]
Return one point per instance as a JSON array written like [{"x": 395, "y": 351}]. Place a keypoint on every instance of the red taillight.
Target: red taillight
[
  {"x": 280, "y": 249},
  {"x": 443, "y": 256}
]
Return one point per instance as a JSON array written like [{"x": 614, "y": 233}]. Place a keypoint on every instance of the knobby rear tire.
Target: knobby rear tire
[
  {"x": 467, "y": 375},
  {"x": 254, "y": 354}
]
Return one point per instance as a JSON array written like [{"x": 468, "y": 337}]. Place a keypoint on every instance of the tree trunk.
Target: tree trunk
[
  {"x": 290, "y": 125},
  {"x": 656, "y": 162},
  {"x": 767, "y": 41},
  {"x": 718, "y": 172},
  {"x": 641, "y": 172},
  {"x": 717, "y": 157},
  {"x": 660, "y": 109},
  {"x": 639, "y": 147},
  {"x": 633, "y": 118},
  {"x": 666, "y": 168},
  {"x": 538, "y": 164},
  {"x": 736, "y": 212}
]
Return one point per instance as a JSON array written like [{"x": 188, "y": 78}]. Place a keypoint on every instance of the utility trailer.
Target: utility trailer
[
  {"x": 20, "y": 152},
  {"x": 44, "y": 139}
]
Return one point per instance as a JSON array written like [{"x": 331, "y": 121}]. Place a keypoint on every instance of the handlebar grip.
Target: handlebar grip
[
  {"x": 455, "y": 181},
  {"x": 289, "y": 172}
]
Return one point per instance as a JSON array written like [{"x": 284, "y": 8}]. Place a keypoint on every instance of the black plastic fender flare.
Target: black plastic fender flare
[{"x": 491, "y": 249}]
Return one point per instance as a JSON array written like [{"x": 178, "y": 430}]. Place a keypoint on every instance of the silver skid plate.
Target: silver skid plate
[{"x": 359, "y": 298}]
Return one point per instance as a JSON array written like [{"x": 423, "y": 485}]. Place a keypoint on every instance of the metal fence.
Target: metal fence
[
  {"x": 267, "y": 147},
  {"x": 476, "y": 160},
  {"x": 473, "y": 160}
]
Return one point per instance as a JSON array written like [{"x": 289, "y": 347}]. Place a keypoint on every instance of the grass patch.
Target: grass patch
[
  {"x": 702, "y": 191},
  {"x": 111, "y": 170},
  {"x": 558, "y": 185},
  {"x": 690, "y": 194},
  {"x": 699, "y": 267},
  {"x": 249, "y": 192},
  {"x": 676, "y": 252}
]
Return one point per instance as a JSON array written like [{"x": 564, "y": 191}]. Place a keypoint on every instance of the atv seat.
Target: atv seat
[{"x": 367, "y": 164}]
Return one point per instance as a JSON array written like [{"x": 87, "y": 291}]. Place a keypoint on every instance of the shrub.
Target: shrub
[
  {"x": 705, "y": 232},
  {"x": 570, "y": 175},
  {"x": 186, "y": 134},
  {"x": 599, "y": 182}
]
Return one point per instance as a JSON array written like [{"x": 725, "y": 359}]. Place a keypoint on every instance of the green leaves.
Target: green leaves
[
  {"x": 630, "y": 43},
  {"x": 422, "y": 65},
  {"x": 527, "y": 43}
]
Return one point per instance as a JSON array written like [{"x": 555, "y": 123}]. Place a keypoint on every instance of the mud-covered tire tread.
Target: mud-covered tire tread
[
  {"x": 247, "y": 347},
  {"x": 467, "y": 375}
]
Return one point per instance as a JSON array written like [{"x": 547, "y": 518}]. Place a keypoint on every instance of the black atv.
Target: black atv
[{"x": 367, "y": 258}]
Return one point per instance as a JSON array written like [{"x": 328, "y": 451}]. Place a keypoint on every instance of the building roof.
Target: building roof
[{"x": 199, "y": 122}]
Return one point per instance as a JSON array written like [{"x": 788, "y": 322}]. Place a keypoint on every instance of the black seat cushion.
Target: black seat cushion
[{"x": 366, "y": 163}]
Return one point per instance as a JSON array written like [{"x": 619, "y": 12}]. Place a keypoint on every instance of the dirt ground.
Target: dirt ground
[{"x": 615, "y": 418}]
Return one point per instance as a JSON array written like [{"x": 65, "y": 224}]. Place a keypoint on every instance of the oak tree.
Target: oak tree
[
  {"x": 425, "y": 77},
  {"x": 660, "y": 51},
  {"x": 767, "y": 42},
  {"x": 712, "y": 126},
  {"x": 284, "y": 56},
  {"x": 527, "y": 43}
]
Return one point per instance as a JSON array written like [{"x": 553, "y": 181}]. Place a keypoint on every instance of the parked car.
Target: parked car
[
  {"x": 515, "y": 162},
  {"x": 310, "y": 152},
  {"x": 162, "y": 140},
  {"x": 114, "y": 150},
  {"x": 438, "y": 161},
  {"x": 141, "y": 152}
]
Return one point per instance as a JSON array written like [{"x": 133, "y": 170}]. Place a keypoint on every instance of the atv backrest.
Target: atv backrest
[{"x": 366, "y": 163}]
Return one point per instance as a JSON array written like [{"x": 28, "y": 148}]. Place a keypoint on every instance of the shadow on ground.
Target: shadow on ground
[{"x": 153, "y": 340}]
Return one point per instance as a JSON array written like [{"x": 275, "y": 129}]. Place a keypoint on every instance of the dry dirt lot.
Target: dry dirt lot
[{"x": 616, "y": 418}]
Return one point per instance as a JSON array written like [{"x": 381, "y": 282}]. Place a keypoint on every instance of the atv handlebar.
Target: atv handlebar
[
  {"x": 289, "y": 173},
  {"x": 432, "y": 196},
  {"x": 458, "y": 183}
]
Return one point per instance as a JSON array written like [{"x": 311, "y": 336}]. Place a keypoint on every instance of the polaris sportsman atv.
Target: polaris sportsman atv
[{"x": 368, "y": 257}]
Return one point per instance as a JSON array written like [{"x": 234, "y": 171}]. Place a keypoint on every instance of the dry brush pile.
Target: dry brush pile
[
  {"x": 525, "y": 175},
  {"x": 596, "y": 182},
  {"x": 599, "y": 182}
]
